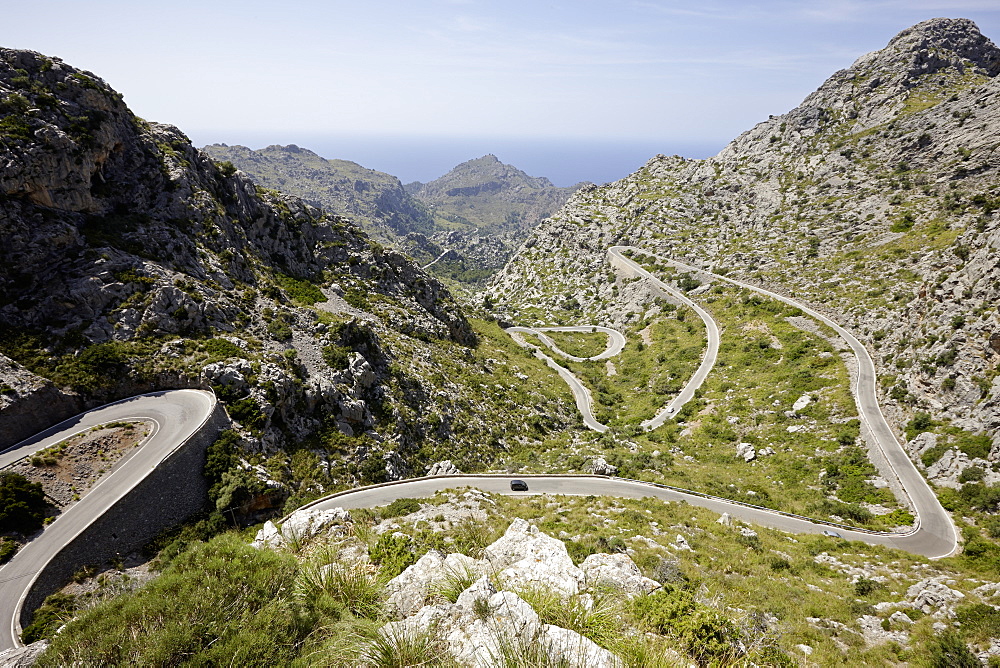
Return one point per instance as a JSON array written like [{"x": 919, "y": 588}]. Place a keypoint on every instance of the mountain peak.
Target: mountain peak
[
  {"x": 938, "y": 43},
  {"x": 956, "y": 37}
]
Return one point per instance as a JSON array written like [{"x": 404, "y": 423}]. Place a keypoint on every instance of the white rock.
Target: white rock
[
  {"x": 444, "y": 467},
  {"x": 308, "y": 522},
  {"x": 600, "y": 466},
  {"x": 933, "y": 596},
  {"x": 617, "y": 571},
  {"x": 481, "y": 589},
  {"x": 900, "y": 617},
  {"x": 408, "y": 591},
  {"x": 268, "y": 536},
  {"x": 725, "y": 519},
  {"x": 570, "y": 649},
  {"x": 874, "y": 634},
  {"x": 801, "y": 402},
  {"x": 528, "y": 558},
  {"x": 681, "y": 544},
  {"x": 361, "y": 369}
]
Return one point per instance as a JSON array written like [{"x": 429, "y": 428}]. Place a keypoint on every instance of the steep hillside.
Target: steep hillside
[
  {"x": 875, "y": 200},
  {"x": 132, "y": 262},
  {"x": 375, "y": 200},
  {"x": 488, "y": 207}
]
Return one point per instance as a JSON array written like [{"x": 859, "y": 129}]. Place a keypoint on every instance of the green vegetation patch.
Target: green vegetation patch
[
  {"x": 580, "y": 344},
  {"x": 22, "y": 504},
  {"x": 221, "y": 601},
  {"x": 659, "y": 358},
  {"x": 301, "y": 292}
]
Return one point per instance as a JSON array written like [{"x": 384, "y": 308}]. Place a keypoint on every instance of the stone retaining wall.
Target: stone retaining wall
[{"x": 170, "y": 494}]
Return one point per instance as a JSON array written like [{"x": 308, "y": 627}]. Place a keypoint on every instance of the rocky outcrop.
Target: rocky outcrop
[
  {"x": 374, "y": 199},
  {"x": 301, "y": 526},
  {"x": 525, "y": 557},
  {"x": 875, "y": 200},
  {"x": 489, "y": 623},
  {"x": 29, "y": 403},
  {"x": 444, "y": 467},
  {"x": 616, "y": 571}
]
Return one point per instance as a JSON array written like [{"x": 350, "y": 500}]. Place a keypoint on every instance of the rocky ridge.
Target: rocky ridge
[
  {"x": 478, "y": 212},
  {"x": 375, "y": 200},
  {"x": 874, "y": 199},
  {"x": 132, "y": 261}
]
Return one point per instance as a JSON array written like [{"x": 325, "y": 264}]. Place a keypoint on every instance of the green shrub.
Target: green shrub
[
  {"x": 400, "y": 507},
  {"x": 920, "y": 423},
  {"x": 948, "y": 650},
  {"x": 22, "y": 504},
  {"x": 703, "y": 633},
  {"x": 248, "y": 413},
  {"x": 979, "y": 621},
  {"x": 299, "y": 291},
  {"x": 279, "y": 329},
  {"x": 226, "y": 168},
  {"x": 865, "y": 586},
  {"x": 336, "y": 357},
  {"x": 55, "y": 611},
  {"x": 392, "y": 554},
  {"x": 220, "y": 349},
  {"x": 972, "y": 474},
  {"x": 8, "y": 549},
  {"x": 217, "y": 603}
]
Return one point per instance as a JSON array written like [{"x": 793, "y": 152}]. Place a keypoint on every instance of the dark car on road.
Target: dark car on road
[{"x": 518, "y": 486}]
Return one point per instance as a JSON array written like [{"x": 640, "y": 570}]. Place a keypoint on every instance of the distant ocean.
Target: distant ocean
[{"x": 562, "y": 161}]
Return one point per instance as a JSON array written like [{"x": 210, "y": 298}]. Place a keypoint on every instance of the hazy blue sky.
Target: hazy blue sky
[{"x": 674, "y": 76}]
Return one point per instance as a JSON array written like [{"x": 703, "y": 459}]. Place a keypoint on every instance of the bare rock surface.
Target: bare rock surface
[
  {"x": 490, "y": 623},
  {"x": 526, "y": 557}
]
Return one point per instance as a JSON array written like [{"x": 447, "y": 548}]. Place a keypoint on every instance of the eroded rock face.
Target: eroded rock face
[
  {"x": 490, "y": 623},
  {"x": 118, "y": 233},
  {"x": 526, "y": 557},
  {"x": 616, "y": 571},
  {"x": 29, "y": 403}
]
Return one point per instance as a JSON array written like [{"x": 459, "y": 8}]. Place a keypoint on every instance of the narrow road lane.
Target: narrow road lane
[{"x": 176, "y": 415}]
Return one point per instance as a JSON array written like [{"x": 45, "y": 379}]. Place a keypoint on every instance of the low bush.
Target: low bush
[
  {"x": 708, "y": 637},
  {"x": 217, "y": 603},
  {"x": 22, "y": 504}
]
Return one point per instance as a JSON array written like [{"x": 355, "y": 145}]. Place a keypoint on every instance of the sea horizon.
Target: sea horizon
[{"x": 563, "y": 161}]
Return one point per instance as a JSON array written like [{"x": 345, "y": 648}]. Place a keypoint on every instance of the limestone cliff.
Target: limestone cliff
[
  {"x": 875, "y": 199},
  {"x": 132, "y": 261}
]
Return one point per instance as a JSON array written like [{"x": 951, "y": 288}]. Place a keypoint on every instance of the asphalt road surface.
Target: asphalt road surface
[
  {"x": 175, "y": 415},
  {"x": 920, "y": 541}
]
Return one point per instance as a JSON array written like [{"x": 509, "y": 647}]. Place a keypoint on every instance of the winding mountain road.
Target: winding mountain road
[
  {"x": 584, "y": 402},
  {"x": 175, "y": 416},
  {"x": 178, "y": 414},
  {"x": 658, "y": 287},
  {"x": 935, "y": 533},
  {"x": 923, "y": 541}
]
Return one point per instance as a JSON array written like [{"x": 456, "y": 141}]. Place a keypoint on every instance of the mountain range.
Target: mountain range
[
  {"x": 474, "y": 216},
  {"x": 133, "y": 261}
]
